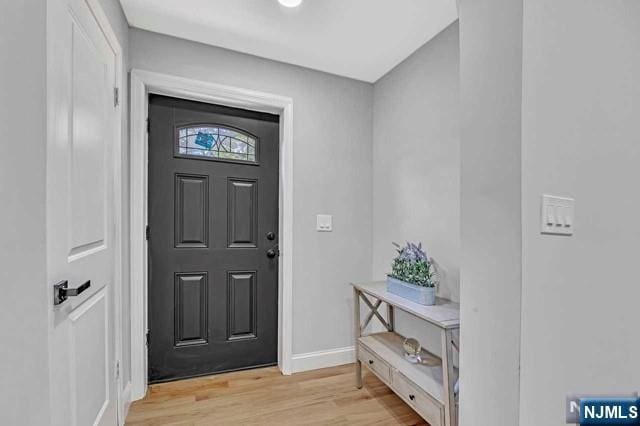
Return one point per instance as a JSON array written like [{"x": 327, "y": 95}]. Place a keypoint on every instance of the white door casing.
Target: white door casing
[
  {"x": 82, "y": 214},
  {"x": 142, "y": 84}
]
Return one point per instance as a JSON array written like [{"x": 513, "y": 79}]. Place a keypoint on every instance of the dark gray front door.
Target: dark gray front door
[{"x": 213, "y": 218}]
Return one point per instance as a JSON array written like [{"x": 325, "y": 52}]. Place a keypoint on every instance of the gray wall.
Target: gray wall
[
  {"x": 550, "y": 104},
  {"x": 332, "y": 173},
  {"x": 490, "y": 287},
  {"x": 581, "y": 138},
  {"x": 24, "y": 392},
  {"x": 416, "y": 166}
]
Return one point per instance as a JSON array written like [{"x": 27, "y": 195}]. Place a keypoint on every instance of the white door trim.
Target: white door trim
[
  {"x": 118, "y": 183},
  {"x": 143, "y": 83}
]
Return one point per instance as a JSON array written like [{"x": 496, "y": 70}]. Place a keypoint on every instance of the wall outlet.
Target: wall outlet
[
  {"x": 324, "y": 223},
  {"x": 557, "y": 215}
]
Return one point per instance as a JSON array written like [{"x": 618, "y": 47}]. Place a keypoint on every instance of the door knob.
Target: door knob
[
  {"x": 62, "y": 292},
  {"x": 271, "y": 236},
  {"x": 273, "y": 252}
]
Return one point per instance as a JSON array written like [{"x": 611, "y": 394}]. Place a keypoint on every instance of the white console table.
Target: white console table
[{"x": 426, "y": 387}]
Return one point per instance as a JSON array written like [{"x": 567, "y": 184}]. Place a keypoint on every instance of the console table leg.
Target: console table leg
[
  {"x": 449, "y": 379},
  {"x": 356, "y": 333}
]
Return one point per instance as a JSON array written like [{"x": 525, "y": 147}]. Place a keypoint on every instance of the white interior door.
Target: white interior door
[{"x": 83, "y": 131}]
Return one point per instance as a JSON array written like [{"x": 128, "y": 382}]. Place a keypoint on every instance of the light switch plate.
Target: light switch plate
[
  {"x": 557, "y": 215},
  {"x": 324, "y": 223}
]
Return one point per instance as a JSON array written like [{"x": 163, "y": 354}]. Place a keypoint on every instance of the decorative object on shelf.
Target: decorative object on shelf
[
  {"x": 412, "y": 349},
  {"x": 413, "y": 275}
]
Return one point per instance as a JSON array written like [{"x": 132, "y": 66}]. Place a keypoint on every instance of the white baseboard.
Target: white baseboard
[
  {"x": 323, "y": 359},
  {"x": 126, "y": 401}
]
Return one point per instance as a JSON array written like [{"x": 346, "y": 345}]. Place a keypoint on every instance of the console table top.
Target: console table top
[{"x": 444, "y": 314}]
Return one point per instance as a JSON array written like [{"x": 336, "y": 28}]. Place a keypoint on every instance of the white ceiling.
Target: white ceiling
[{"x": 361, "y": 39}]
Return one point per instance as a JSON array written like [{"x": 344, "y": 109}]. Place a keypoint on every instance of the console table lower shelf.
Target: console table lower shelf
[{"x": 419, "y": 385}]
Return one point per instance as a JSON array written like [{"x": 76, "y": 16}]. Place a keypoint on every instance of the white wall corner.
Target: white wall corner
[{"x": 323, "y": 359}]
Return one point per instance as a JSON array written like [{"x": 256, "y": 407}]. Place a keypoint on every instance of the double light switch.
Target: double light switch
[
  {"x": 557, "y": 215},
  {"x": 324, "y": 223}
]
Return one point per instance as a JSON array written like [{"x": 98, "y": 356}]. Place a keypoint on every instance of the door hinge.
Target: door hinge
[
  {"x": 116, "y": 96},
  {"x": 148, "y": 337},
  {"x": 117, "y": 370},
  {"x": 147, "y": 233},
  {"x": 148, "y": 126}
]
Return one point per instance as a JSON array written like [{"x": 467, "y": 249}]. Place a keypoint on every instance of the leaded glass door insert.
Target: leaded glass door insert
[{"x": 214, "y": 142}]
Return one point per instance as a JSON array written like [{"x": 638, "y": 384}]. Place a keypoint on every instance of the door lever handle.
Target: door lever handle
[{"x": 62, "y": 292}]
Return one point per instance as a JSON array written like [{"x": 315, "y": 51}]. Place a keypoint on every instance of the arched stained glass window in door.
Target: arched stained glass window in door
[{"x": 213, "y": 142}]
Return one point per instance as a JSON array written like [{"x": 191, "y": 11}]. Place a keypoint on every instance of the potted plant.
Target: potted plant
[{"x": 412, "y": 275}]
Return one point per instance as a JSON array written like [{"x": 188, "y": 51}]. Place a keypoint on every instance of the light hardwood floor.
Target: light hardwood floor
[{"x": 265, "y": 397}]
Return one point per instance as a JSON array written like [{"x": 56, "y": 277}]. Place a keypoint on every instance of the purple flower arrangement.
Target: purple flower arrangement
[{"x": 412, "y": 265}]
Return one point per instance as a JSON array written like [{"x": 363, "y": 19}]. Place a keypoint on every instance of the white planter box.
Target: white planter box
[{"x": 415, "y": 293}]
